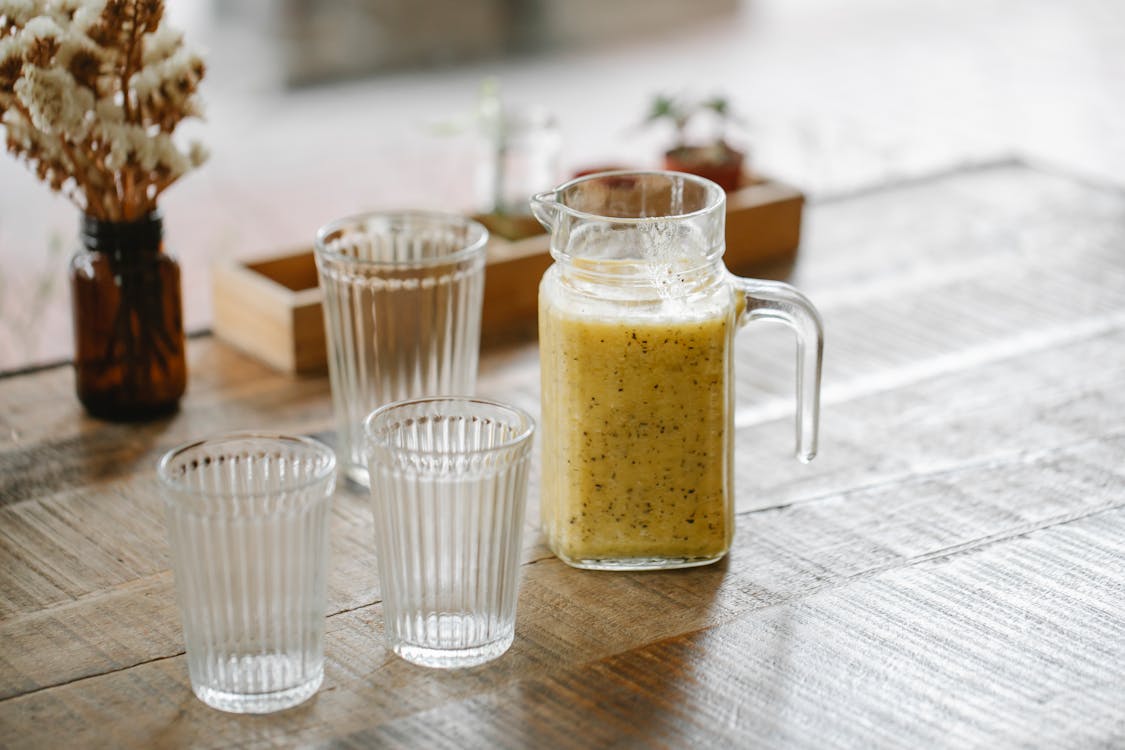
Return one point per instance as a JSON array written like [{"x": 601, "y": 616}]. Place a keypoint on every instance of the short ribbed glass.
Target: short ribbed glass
[
  {"x": 448, "y": 489},
  {"x": 402, "y": 306},
  {"x": 247, "y": 521}
]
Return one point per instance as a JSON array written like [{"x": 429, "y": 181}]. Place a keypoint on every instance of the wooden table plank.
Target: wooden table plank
[
  {"x": 942, "y": 654},
  {"x": 570, "y": 617},
  {"x": 974, "y": 411},
  {"x": 934, "y": 445}
]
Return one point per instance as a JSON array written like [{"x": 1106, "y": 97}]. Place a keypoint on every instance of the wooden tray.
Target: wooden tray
[{"x": 270, "y": 308}]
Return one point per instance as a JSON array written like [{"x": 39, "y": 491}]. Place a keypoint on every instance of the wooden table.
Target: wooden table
[{"x": 950, "y": 572}]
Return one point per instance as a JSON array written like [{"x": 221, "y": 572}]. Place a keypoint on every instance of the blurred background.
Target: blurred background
[{"x": 320, "y": 108}]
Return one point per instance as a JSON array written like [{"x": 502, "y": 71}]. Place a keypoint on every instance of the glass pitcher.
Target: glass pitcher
[{"x": 637, "y": 317}]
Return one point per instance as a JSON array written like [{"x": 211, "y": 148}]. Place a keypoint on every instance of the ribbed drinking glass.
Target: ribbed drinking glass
[
  {"x": 402, "y": 306},
  {"x": 448, "y": 489},
  {"x": 247, "y": 521}
]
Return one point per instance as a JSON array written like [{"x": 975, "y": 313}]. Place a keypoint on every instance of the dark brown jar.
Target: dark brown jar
[{"x": 128, "y": 325}]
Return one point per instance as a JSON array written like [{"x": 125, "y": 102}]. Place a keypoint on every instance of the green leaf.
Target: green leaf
[
  {"x": 719, "y": 105},
  {"x": 662, "y": 106}
]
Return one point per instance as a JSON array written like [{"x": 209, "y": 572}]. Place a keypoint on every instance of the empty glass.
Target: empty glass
[
  {"x": 448, "y": 489},
  {"x": 247, "y": 521},
  {"x": 402, "y": 305},
  {"x": 517, "y": 156}
]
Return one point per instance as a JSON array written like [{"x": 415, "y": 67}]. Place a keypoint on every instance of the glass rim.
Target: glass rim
[
  {"x": 717, "y": 195},
  {"x": 476, "y": 245},
  {"x": 163, "y": 468},
  {"x": 525, "y": 419}
]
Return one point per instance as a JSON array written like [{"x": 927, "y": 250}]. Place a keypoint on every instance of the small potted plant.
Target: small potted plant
[{"x": 714, "y": 159}]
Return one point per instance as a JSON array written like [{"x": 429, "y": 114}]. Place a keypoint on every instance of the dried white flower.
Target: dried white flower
[
  {"x": 161, "y": 83},
  {"x": 18, "y": 11},
  {"x": 117, "y": 136},
  {"x": 198, "y": 153},
  {"x": 169, "y": 157},
  {"x": 193, "y": 107},
  {"x": 162, "y": 44},
  {"x": 86, "y": 15},
  {"x": 40, "y": 27},
  {"x": 56, "y": 105},
  {"x": 74, "y": 44},
  {"x": 17, "y": 131},
  {"x": 108, "y": 112},
  {"x": 87, "y": 113},
  {"x": 145, "y": 81},
  {"x": 10, "y": 46}
]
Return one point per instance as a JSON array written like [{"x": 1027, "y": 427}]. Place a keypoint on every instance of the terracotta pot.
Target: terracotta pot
[{"x": 720, "y": 164}]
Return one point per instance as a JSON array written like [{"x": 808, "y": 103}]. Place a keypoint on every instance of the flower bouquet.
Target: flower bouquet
[{"x": 91, "y": 92}]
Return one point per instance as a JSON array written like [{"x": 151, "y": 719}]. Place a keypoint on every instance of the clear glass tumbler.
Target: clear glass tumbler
[
  {"x": 402, "y": 306},
  {"x": 247, "y": 521},
  {"x": 448, "y": 489}
]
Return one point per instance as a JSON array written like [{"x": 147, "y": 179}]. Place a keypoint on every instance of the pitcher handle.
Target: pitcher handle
[{"x": 778, "y": 301}]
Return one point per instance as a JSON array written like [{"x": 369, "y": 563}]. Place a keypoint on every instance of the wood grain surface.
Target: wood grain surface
[{"x": 950, "y": 571}]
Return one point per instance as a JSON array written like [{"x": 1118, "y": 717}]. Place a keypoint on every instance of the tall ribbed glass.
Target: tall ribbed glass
[
  {"x": 402, "y": 306},
  {"x": 247, "y": 521},
  {"x": 448, "y": 489}
]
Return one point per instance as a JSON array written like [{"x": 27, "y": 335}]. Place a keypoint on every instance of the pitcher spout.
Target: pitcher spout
[{"x": 545, "y": 208}]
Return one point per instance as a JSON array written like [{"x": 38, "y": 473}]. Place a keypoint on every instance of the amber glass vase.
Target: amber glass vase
[{"x": 128, "y": 325}]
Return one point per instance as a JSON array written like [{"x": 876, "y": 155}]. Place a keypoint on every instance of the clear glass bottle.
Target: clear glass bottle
[
  {"x": 129, "y": 358},
  {"x": 637, "y": 319}
]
